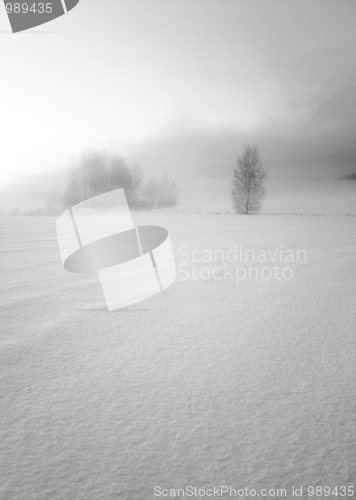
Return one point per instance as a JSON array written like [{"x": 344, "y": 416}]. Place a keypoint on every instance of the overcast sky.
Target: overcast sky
[{"x": 182, "y": 84}]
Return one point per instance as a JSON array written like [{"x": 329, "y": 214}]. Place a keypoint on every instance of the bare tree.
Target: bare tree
[
  {"x": 248, "y": 183},
  {"x": 137, "y": 176},
  {"x": 89, "y": 177},
  {"x": 120, "y": 174},
  {"x": 94, "y": 171},
  {"x": 151, "y": 192}
]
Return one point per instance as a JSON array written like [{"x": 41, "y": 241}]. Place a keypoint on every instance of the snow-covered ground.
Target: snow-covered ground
[{"x": 212, "y": 382}]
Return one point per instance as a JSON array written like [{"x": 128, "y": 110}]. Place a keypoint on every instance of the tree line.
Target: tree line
[{"x": 98, "y": 172}]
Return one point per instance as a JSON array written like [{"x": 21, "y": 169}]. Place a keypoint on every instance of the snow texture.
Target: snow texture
[{"x": 208, "y": 383}]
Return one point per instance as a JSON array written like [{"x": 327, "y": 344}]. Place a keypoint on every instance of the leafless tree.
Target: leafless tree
[{"x": 248, "y": 183}]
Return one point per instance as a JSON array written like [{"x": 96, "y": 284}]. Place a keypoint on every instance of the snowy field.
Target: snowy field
[{"x": 213, "y": 382}]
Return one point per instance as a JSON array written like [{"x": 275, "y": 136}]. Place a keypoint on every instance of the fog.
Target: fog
[
  {"x": 183, "y": 87},
  {"x": 235, "y": 374},
  {"x": 211, "y": 193}
]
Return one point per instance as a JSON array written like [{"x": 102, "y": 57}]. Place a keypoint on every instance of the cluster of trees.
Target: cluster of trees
[
  {"x": 100, "y": 172},
  {"x": 248, "y": 182}
]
